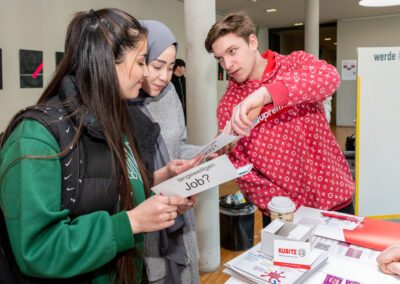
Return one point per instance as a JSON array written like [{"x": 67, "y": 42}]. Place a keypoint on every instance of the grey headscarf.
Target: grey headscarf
[{"x": 159, "y": 38}]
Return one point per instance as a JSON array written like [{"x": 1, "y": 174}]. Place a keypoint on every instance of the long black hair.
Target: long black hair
[{"x": 95, "y": 42}]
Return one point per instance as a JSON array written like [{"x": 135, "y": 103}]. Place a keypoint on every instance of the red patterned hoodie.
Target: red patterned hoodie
[{"x": 293, "y": 151}]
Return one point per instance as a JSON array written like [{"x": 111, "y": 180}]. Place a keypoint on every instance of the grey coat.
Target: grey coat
[{"x": 166, "y": 109}]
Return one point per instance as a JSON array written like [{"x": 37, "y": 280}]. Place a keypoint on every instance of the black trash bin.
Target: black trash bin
[
  {"x": 236, "y": 225},
  {"x": 350, "y": 158}
]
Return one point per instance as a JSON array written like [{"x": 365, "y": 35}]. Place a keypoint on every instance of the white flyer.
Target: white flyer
[
  {"x": 225, "y": 139},
  {"x": 218, "y": 143},
  {"x": 349, "y": 70},
  {"x": 201, "y": 178}
]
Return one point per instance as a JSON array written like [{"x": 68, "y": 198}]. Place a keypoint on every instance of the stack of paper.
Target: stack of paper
[
  {"x": 366, "y": 232},
  {"x": 255, "y": 267}
]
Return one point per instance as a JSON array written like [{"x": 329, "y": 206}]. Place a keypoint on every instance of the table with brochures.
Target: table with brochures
[{"x": 346, "y": 262}]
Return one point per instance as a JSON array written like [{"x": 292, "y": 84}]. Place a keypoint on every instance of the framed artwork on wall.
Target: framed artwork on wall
[
  {"x": 220, "y": 73},
  {"x": 1, "y": 70},
  {"x": 59, "y": 56},
  {"x": 30, "y": 68}
]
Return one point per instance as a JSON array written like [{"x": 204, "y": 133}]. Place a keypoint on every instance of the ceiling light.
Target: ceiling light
[
  {"x": 379, "y": 3},
  {"x": 270, "y": 10},
  {"x": 328, "y": 38},
  {"x": 335, "y": 43},
  {"x": 298, "y": 24},
  {"x": 254, "y": 1}
]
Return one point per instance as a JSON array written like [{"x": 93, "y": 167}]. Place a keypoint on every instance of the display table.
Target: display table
[{"x": 347, "y": 263}]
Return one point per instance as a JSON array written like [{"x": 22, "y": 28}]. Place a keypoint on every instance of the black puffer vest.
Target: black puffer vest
[{"x": 88, "y": 184}]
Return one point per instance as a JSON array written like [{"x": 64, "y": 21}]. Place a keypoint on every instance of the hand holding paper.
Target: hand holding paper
[
  {"x": 155, "y": 213},
  {"x": 224, "y": 139},
  {"x": 229, "y": 147},
  {"x": 176, "y": 167},
  {"x": 191, "y": 202}
]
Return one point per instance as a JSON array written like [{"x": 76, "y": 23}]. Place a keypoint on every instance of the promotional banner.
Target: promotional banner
[{"x": 378, "y": 135}]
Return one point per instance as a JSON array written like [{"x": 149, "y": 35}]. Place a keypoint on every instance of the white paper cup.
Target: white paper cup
[{"x": 281, "y": 207}]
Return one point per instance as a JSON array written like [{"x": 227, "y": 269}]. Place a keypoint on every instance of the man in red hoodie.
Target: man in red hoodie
[{"x": 292, "y": 148}]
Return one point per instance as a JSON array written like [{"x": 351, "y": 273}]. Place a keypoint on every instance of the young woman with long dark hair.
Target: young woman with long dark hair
[{"x": 96, "y": 234}]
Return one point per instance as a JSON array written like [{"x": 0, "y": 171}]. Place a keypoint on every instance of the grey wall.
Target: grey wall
[
  {"x": 354, "y": 33},
  {"x": 262, "y": 36},
  {"x": 41, "y": 25}
]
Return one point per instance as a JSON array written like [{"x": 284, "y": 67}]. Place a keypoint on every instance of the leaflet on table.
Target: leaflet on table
[
  {"x": 350, "y": 271},
  {"x": 370, "y": 233},
  {"x": 256, "y": 267},
  {"x": 202, "y": 177},
  {"x": 345, "y": 251},
  {"x": 234, "y": 279},
  {"x": 374, "y": 233},
  {"x": 327, "y": 218},
  {"x": 347, "y": 263}
]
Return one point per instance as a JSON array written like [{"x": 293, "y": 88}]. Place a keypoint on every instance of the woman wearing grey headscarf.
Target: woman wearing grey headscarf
[{"x": 177, "y": 253}]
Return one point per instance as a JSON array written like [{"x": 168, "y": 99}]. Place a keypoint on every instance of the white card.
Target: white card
[
  {"x": 292, "y": 254},
  {"x": 274, "y": 226},
  {"x": 200, "y": 178},
  {"x": 298, "y": 232},
  {"x": 218, "y": 143}
]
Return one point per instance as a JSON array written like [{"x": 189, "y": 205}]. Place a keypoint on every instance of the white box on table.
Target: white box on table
[{"x": 281, "y": 230}]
